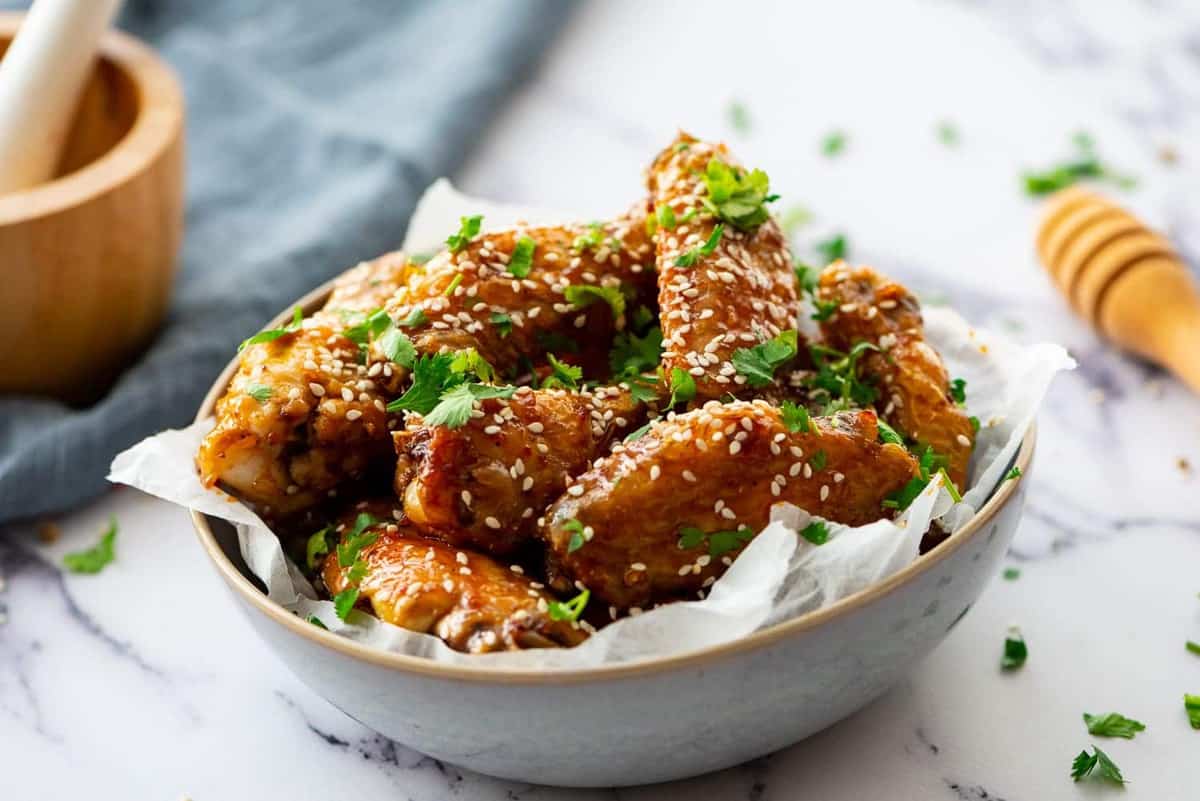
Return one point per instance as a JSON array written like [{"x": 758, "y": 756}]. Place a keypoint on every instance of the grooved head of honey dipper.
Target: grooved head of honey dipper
[{"x": 1060, "y": 205}]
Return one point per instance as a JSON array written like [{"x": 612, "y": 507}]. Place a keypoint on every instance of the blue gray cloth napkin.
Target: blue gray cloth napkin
[{"x": 313, "y": 127}]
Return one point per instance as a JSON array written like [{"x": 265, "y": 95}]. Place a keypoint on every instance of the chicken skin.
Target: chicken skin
[
  {"x": 509, "y": 294},
  {"x": 301, "y": 416},
  {"x": 664, "y": 515},
  {"x": 483, "y": 485},
  {"x": 368, "y": 286},
  {"x": 711, "y": 304},
  {"x": 913, "y": 387},
  {"x": 469, "y": 601}
]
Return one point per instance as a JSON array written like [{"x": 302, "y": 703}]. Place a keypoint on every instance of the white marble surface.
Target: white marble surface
[{"x": 143, "y": 682}]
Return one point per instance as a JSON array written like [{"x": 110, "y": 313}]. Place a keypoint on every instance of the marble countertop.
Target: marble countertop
[{"x": 143, "y": 681}]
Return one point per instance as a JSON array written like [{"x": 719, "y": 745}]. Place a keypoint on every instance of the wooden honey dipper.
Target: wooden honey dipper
[{"x": 1124, "y": 279}]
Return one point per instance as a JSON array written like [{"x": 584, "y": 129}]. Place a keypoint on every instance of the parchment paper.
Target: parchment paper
[{"x": 779, "y": 576}]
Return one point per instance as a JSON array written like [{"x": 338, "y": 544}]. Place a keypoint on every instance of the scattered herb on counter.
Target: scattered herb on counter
[
  {"x": 260, "y": 392},
  {"x": 503, "y": 323},
  {"x": 93, "y": 560},
  {"x": 468, "y": 229},
  {"x": 795, "y": 417},
  {"x": 1112, "y": 724},
  {"x": 689, "y": 257},
  {"x": 1011, "y": 573},
  {"x": 1085, "y": 763},
  {"x": 273, "y": 334},
  {"x": 738, "y": 197},
  {"x": 816, "y": 532},
  {"x": 1191, "y": 705},
  {"x": 1014, "y": 474},
  {"x": 569, "y": 610},
  {"x": 759, "y": 363},
  {"x": 1193, "y": 647},
  {"x": 834, "y": 248},
  {"x": 1015, "y": 651},
  {"x": 947, "y": 133},
  {"x": 562, "y": 375},
  {"x": 834, "y": 143},
  {"x": 583, "y": 295},
  {"x": 577, "y": 537},
  {"x": 739, "y": 117},
  {"x": 683, "y": 386},
  {"x": 521, "y": 261},
  {"x": 1084, "y": 165},
  {"x": 453, "y": 285}
]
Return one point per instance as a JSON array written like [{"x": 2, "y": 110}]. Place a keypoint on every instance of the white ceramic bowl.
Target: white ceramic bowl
[{"x": 652, "y": 720}]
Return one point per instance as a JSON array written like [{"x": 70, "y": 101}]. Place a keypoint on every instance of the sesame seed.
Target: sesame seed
[
  {"x": 492, "y": 430},
  {"x": 688, "y": 475},
  {"x": 520, "y": 571},
  {"x": 536, "y": 427},
  {"x": 575, "y": 490},
  {"x": 353, "y": 415},
  {"x": 466, "y": 497},
  {"x": 316, "y": 389},
  {"x": 460, "y": 557},
  {"x": 655, "y": 472},
  {"x": 824, "y": 492},
  {"x": 638, "y": 566},
  {"x": 527, "y": 484},
  {"x": 963, "y": 440},
  {"x": 491, "y": 522},
  {"x": 734, "y": 448}
]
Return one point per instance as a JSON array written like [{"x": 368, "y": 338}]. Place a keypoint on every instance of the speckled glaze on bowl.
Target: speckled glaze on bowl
[{"x": 652, "y": 720}]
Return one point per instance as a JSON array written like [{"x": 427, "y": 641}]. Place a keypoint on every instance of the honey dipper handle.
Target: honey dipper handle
[{"x": 41, "y": 77}]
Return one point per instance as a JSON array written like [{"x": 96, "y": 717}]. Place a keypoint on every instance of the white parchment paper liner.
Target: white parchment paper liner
[{"x": 779, "y": 576}]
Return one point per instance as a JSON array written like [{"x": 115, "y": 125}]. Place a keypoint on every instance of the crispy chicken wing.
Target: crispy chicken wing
[
  {"x": 471, "y": 602},
  {"x": 512, "y": 305},
  {"x": 484, "y": 484},
  {"x": 740, "y": 294},
  {"x": 660, "y": 518},
  {"x": 914, "y": 390},
  {"x": 368, "y": 286}
]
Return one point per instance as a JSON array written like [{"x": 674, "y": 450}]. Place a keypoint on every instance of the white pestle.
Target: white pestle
[{"x": 42, "y": 76}]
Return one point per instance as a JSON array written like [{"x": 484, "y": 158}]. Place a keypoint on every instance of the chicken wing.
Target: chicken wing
[
  {"x": 662, "y": 517},
  {"x": 300, "y": 416},
  {"x": 471, "y": 602},
  {"x": 368, "y": 286},
  {"x": 911, "y": 381},
  {"x": 514, "y": 295},
  {"x": 482, "y": 485},
  {"x": 714, "y": 300}
]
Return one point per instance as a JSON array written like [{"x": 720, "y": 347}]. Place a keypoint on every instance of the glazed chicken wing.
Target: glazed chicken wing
[
  {"x": 914, "y": 390},
  {"x": 712, "y": 304},
  {"x": 471, "y": 602},
  {"x": 484, "y": 484},
  {"x": 368, "y": 286},
  {"x": 662, "y": 517},
  {"x": 513, "y": 295}
]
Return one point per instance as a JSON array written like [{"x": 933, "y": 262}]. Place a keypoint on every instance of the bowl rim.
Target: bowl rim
[
  {"x": 156, "y": 127},
  {"x": 405, "y": 663}
]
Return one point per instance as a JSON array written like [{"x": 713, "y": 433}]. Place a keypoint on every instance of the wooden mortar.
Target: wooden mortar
[{"x": 87, "y": 260}]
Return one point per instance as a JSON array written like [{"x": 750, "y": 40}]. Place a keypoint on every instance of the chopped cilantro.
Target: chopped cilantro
[
  {"x": 683, "y": 386},
  {"x": 583, "y": 295},
  {"x": 665, "y": 217},
  {"x": 1192, "y": 647},
  {"x": 816, "y": 532},
  {"x": 521, "y": 261},
  {"x": 563, "y": 376},
  {"x": 974, "y": 421},
  {"x": 739, "y": 117},
  {"x": 927, "y": 465},
  {"x": 632, "y": 355},
  {"x": 643, "y": 389},
  {"x": 1113, "y": 724},
  {"x": 468, "y": 229},
  {"x": 1191, "y": 704},
  {"x": 888, "y": 434},
  {"x": 758, "y": 364},
  {"x": 836, "y": 382},
  {"x": 468, "y": 362},
  {"x": 833, "y": 143},
  {"x": 949, "y": 485},
  {"x": 316, "y": 547},
  {"x": 593, "y": 239},
  {"x": 503, "y": 323},
  {"x": 316, "y": 621},
  {"x": 833, "y": 248},
  {"x": 96, "y": 558},
  {"x": 397, "y": 347},
  {"x": 415, "y": 317},
  {"x": 453, "y": 285},
  {"x": 453, "y": 409},
  {"x": 344, "y": 602},
  {"x": 556, "y": 342},
  {"x": 357, "y": 538},
  {"x": 577, "y": 538},
  {"x": 722, "y": 542},
  {"x": 818, "y": 461},
  {"x": 369, "y": 326},
  {"x": 958, "y": 391},
  {"x": 642, "y": 318},
  {"x": 638, "y": 433},
  {"x": 1014, "y": 474},
  {"x": 689, "y": 257},
  {"x": 1085, "y": 763},
  {"x": 735, "y": 196},
  {"x": 430, "y": 374},
  {"x": 795, "y": 417},
  {"x": 569, "y": 610},
  {"x": 260, "y": 392},
  {"x": 1011, "y": 573},
  {"x": 1085, "y": 164},
  {"x": 1015, "y": 651},
  {"x": 806, "y": 277},
  {"x": 650, "y": 224},
  {"x": 690, "y": 537},
  {"x": 275, "y": 333}
]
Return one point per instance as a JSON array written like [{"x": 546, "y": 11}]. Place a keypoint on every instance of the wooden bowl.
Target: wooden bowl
[{"x": 88, "y": 258}]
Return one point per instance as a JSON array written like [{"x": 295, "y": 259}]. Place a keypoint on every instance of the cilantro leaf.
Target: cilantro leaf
[
  {"x": 453, "y": 409},
  {"x": 888, "y": 434},
  {"x": 833, "y": 143},
  {"x": 1014, "y": 474},
  {"x": 1085, "y": 164},
  {"x": 818, "y": 461},
  {"x": 562, "y": 375},
  {"x": 415, "y": 317},
  {"x": 316, "y": 621},
  {"x": 690, "y": 537},
  {"x": 260, "y": 392},
  {"x": 275, "y": 333},
  {"x": 93, "y": 560},
  {"x": 371, "y": 325},
  {"x": 430, "y": 374},
  {"x": 722, "y": 542},
  {"x": 1011, "y": 573},
  {"x": 643, "y": 389},
  {"x": 356, "y": 539},
  {"x": 632, "y": 355},
  {"x": 636, "y": 434},
  {"x": 833, "y": 248},
  {"x": 468, "y": 362},
  {"x": 816, "y": 532},
  {"x": 1112, "y": 724},
  {"x": 577, "y": 539},
  {"x": 397, "y": 347},
  {"x": 468, "y": 229},
  {"x": 689, "y": 257},
  {"x": 316, "y": 547},
  {"x": 683, "y": 386},
  {"x": 583, "y": 295},
  {"x": 836, "y": 378},
  {"x": 735, "y": 196},
  {"x": 795, "y": 417},
  {"x": 521, "y": 261},
  {"x": 343, "y": 602},
  {"x": 958, "y": 391},
  {"x": 758, "y": 364},
  {"x": 1085, "y": 763},
  {"x": 1015, "y": 651},
  {"x": 503, "y": 323},
  {"x": 592, "y": 239},
  {"x": 664, "y": 216},
  {"x": 1191, "y": 704},
  {"x": 569, "y": 610},
  {"x": 974, "y": 421},
  {"x": 1192, "y": 647}
]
